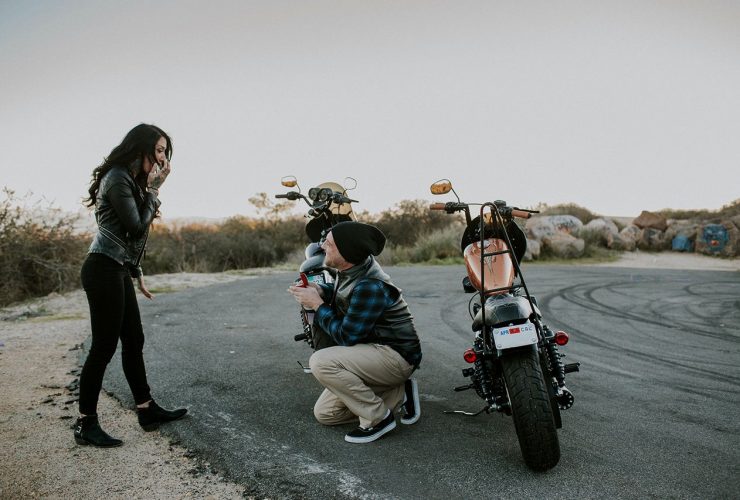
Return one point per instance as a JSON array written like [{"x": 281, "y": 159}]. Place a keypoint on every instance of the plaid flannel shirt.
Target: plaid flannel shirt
[{"x": 369, "y": 300}]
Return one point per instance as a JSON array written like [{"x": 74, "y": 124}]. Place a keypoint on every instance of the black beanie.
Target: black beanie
[{"x": 356, "y": 241}]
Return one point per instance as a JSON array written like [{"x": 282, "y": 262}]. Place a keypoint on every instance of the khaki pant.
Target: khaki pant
[{"x": 363, "y": 380}]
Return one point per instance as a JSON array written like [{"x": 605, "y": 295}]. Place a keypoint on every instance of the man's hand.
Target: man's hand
[
  {"x": 308, "y": 296},
  {"x": 143, "y": 288}
]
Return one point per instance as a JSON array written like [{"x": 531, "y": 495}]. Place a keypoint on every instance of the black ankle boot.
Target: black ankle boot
[
  {"x": 88, "y": 432},
  {"x": 151, "y": 417}
]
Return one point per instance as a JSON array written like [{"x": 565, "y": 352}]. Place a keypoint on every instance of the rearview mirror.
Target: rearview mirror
[
  {"x": 442, "y": 186},
  {"x": 289, "y": 181},
  {"x": 350, "y": 181}
]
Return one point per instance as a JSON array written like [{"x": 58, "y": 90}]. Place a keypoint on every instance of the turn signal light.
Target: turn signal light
[
  {"x": 470, "y": 356},
  {"x": 561, "y": 338}
]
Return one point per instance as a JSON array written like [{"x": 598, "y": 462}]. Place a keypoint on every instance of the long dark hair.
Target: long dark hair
[{"x": 139, "y": 143}]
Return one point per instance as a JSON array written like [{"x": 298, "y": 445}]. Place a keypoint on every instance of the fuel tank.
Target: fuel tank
[{"x": 498, "y": 270}]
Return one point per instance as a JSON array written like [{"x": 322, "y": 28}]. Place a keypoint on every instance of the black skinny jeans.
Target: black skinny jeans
[{"x": 114, "y": 314}]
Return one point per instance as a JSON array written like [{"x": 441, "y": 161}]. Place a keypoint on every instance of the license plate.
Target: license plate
[
  {"x": 515, "y": 336},
  {"x": 317, "y": 278}
]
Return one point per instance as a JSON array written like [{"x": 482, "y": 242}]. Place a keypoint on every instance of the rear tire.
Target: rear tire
[{"x": 531, "y": 409}]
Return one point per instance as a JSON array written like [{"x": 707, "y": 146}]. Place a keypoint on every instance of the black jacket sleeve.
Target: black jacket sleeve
[{"x": 135, "y": 220}]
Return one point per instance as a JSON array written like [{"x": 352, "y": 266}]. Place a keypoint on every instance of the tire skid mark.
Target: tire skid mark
[
  {"x": 447, "y": 313},
  {"x": 589, "y": 302},
  {"x": 713, "y": 285},
  {"x": 567, "y": 295}
]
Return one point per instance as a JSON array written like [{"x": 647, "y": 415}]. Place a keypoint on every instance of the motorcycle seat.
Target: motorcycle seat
[{"x": 503, "y": 310}]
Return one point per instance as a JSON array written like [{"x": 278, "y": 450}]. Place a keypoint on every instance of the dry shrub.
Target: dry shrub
[
  {"x": 237, "y": 243},
  {"x": 409, "y": 220},
  {"x": 583, "y": 214},
  {"x": 727, "y": 211},
  {"x": 437, "y": 247},
  {"x": 40, "y": 251}
]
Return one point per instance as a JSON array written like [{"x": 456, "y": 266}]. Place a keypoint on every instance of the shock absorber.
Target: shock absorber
[{"x": 554, "y": 357}]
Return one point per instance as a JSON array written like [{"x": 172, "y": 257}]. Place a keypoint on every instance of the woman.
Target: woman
[{"x": 124, "y": 191}]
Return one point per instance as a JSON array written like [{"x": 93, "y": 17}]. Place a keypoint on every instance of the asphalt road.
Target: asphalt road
[{"x": 656, "y": 411}]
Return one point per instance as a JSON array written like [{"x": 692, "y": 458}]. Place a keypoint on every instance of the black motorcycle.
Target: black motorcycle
[
  {"x": 328, "y": 205},
  {"x": 516, "y": 367}
]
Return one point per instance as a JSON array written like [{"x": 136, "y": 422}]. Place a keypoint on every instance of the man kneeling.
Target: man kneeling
[{"x": 367, "y": 373}]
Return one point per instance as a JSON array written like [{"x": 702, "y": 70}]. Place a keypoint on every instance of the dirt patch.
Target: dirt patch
[{"x": 673, "y": 260}]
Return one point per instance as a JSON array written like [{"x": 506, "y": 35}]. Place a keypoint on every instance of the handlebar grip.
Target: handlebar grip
[
  {"x": 521, "y": 213},
  {"x": 281, "y": 196},
  {"x": 437, "y": 206}
]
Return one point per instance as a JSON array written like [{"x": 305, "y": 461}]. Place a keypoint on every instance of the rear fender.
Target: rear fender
[{"x": 504, "y": 310}]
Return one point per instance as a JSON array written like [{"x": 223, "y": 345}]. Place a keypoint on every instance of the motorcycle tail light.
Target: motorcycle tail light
[
  {"x": 561, "y": 338},
  {"x": 470, "y": 356}
]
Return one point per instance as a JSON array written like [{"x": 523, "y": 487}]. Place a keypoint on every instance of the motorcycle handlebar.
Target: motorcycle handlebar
[
  {"x": 437, "y": 206},
  {"x": 281, "y": 196},
  {"x": 521, "y": 214}
]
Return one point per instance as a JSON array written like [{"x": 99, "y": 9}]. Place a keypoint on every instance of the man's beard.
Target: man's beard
[{"x": 329, "y": 263}]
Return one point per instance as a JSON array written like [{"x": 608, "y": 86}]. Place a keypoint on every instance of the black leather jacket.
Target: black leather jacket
[{"x": 123, "y": 213}]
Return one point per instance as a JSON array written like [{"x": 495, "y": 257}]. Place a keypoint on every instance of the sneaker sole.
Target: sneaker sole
[
  {"x": 370, "y": 439},
  {"x": 417, "y": 405}
]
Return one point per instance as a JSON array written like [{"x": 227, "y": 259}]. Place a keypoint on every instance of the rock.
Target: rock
[
  {"x": 563, "y": 245},
  {"x": 631, "y": 232},
  {"x": 599, "y": 231},
  {"x": 718, "y": 239},
  {"x": 539, "y": 227},
  {"x": 621, "y": 242},
  {"x": 533, "y": 250},
  {"x": 650, "y": 220},
  {"x": 683, "y": 229},
  {"x": 651, "y": 240},
  {"x": 567, "y": 223}
]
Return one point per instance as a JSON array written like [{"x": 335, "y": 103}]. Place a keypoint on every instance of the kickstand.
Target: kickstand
[
  {"x": 466, "y": 413},
  {"x": 306, "y": 369}
]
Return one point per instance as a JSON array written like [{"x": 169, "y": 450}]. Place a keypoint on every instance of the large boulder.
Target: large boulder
[
  {"x": 533, "y": 250},
  {"x": 718, "y": 239},
  {"x": 684, "y": 230},
  {"x": 650, "y": 220},
  {"x": 563, "y": 245},
  {"x": 651, "y": 239},
  {"x": 619, "y": 241},
  {"x": 631, "y": 233},
  {"x": 567, "y": 223},
  {"x": 539, "y": 227},
  {"x": 599, "y": 230}
]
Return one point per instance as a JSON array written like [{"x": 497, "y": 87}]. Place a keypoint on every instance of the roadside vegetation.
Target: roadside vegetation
[{"x": 42, "y": 249}]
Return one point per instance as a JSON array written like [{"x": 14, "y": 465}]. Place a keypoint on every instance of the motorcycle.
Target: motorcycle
[
  {"x": 517, "y": 368},
  {"x": 328, "y": 205}
]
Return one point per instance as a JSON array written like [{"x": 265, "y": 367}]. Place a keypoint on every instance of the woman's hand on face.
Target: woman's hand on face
[
  {"x": 158, "y": 174},
  {"x": 143, "y": 288}
]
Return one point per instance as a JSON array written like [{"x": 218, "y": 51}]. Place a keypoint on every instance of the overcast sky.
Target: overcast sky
[{"x": 617, "y": 106}]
